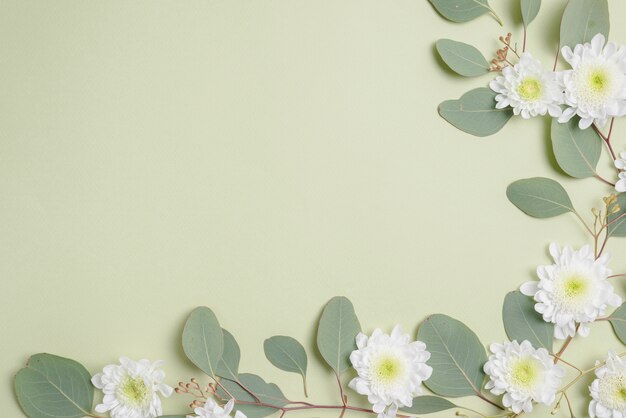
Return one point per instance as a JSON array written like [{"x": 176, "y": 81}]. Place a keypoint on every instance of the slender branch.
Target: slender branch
[
  {"x": 607, "y": 138},
  {"x": 603, "y": 180},
  {"x": 484, "y": 398},
  {"x": 524, "y": 44},
  {"x": 556, "y": 58},
  {"x": 617, "y": 275},
  {"x": 584, "y": 223},
  {"x": 343, "y": 396}
]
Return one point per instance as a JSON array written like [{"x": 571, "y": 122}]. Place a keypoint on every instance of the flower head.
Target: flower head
[
  {"x": 390, "y": 370},
  {"x": 528, "y": 88},
  {"x": 620, "y": 163},
  {"x": 608, "y": 391},
  {"x": 523, "y": 375},
  {"x": 131, "y": 389},
  {"x": 212, "y": 410},
  {"x": 573, "y": 291},
  {"x": 595, "y": 87}
]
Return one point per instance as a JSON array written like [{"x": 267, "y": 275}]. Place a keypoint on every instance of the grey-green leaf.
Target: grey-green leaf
[
  {"x": 336, "y": 333},
  {"x": 267, "y": 393},
  {"x": 522, "y": 322},
  {"x": 461, "y": 10},
  {"x": 618, "y": 321},
  {"x": 475, "y": 112},
  {"x": 457, "y": 356},
  {"x": 228, "y": 366},
  {"x": 286, "y": 353},
  {"x": 203, "y": 340},
  {"x": 530, "y": 9},
  {"x": 582, "y": 19},
  {"x": 617, "y": 227},
  {"x": 539, "y": 197},
  {"x": 576, "y": 150},
  {"x": 428, "y": 404},
  {"x": 462, "y": 58},
  {"x": 54, "y": 387}
]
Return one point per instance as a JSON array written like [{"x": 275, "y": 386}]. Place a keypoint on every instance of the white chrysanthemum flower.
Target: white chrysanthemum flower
[
  {"x": 608, "y": 391},
  {"x": 212, "y": 410},
  {"x": 595, "y": 87},
  {"x": 523, "y": 375},
  {"x": 528, "y": 88},
  {"x": 620, "y": 163},
  {"x": 573, "y": 291},
  {"x": 390, "y": 370},
  {"x": 131, "y": 389}
]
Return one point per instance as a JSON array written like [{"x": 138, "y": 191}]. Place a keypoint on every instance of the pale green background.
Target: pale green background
[{"x": 257, "y": 157}]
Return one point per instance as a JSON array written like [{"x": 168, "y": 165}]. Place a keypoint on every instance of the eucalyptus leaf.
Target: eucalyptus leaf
[
  {"x": 462, "y": 58},
  {"x": 618, "y": 321},
  {"x": 530, "y": 10},
  {"x": 475, "y": 112},
  {"x": 539, "y": 197},
  {"x": 336, "y": 333},
  {"x": 523, "y": 322},
  {"x": 457, "y": 356},
  {"x": 617, "y": 227},
  {"x": 577, "y": 151},
  {"x": 54, "y": 387},
  {"x": 228, "y": 366},
  {"x": 267, "y": 393},
  {"x": 287, "y": 354},
  {"x": 428, "y": 404},
  {"x": 582, "y": 19},
  {"x": 461, "y": 10},
  {"x": 203, "y": 340}
]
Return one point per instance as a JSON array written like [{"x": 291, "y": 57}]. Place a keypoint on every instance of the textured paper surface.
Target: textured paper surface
[{"x": 258, "y": 157}]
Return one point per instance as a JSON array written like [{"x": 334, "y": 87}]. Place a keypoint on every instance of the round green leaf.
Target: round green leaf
[
  {"x": 462, "y": 58},
  {"x": 286, "y": 353},
  {"x": 428, "y": 405},
  {"x": 461, "y": 10},
  {"x": 54, "y": 387},
  {"x": 475, "y": 112},
  {"x": 582, "y": 19},
  {"x": 336, "y": 333},
  {"x": 203, "y": 340},
  {"x": 539, "y": 197},
  {"x": 618, "y": 321},
  {"x": 618, "y": 226},
  {"x": 457, "y": 356},
  {"x": 576, "y": 150},
  {"x": 523, "y": 322},
  {"x": 228, "y": 366},
  {"x": 530, "y": 10}
]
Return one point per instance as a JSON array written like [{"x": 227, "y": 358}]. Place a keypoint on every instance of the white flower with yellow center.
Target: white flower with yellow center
[
  {"x": 131, "y": 389},
  {"x": 620, "y": 163},
  {"x": 528, "y": 88},
  {"x": 595, "y": 87},
  {"x": 212, "y": 410},
  {"x": 572, "y": 292},
  {"x": 390, "y": 370},
  {"x": 523, "y": 375},
  {"x": 608, "y": 391}
]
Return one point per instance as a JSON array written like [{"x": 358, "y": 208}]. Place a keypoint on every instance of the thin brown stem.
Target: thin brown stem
[
  {"x": 484, "y": 398},
  {"x": 524, "y": 43},
  {"x": 556, "y": 58},
  {"x": 607, "y": 138},
  {"x": 341, "y": 393}
]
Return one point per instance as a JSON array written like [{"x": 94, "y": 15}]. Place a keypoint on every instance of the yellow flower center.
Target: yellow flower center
[
  {"x": 598, "y": 81},
  {"x": 524, "y": 373},
  {"x": 134, "y": 390},
  {"x": 575, "y": 286},
  {"x": 387, "y": 369},
  {"x": 530, "y": 89}
]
